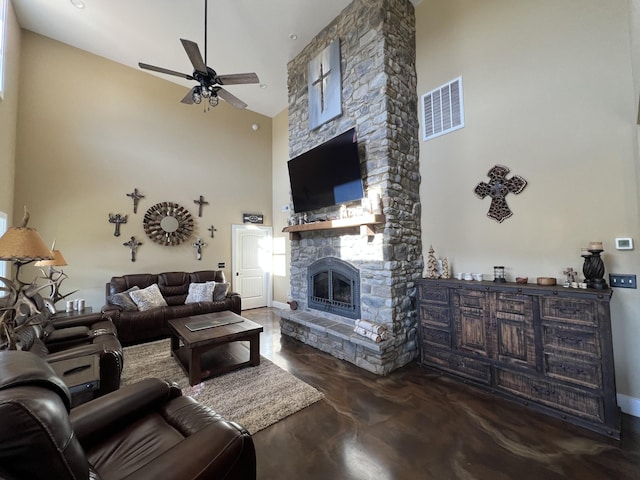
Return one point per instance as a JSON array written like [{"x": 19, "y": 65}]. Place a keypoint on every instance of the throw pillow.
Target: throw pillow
[
  {"x": 123, "y": 299},
  {"x": 220, "y": 291},
  {"x": 148, "y": 298},
  {"x": 200, "y": 292}
]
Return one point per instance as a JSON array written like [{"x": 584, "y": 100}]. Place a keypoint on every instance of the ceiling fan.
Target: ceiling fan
[{"x": 210, "y": 83}]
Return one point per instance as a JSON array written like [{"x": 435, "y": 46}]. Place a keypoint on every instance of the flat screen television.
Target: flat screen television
[{"x": 327, "y": 175}]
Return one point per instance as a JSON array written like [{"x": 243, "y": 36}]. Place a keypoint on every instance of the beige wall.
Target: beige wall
[
  {"x": 548, "y": 92},
  {"x": 280, "y": 174},
  {"x": 91, "y": 130},
  {"x": 8, "y": 114}
]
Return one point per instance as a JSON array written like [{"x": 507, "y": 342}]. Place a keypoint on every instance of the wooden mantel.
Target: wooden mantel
[{"x": 364, "y": 222}]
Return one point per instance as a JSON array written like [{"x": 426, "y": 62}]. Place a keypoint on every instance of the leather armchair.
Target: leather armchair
[
  {"x": 65, "y": 339},
  {"x": 143, "y": 431}
]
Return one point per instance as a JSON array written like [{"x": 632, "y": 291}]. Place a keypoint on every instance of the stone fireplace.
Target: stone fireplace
[{"x": 378, "y": 257}]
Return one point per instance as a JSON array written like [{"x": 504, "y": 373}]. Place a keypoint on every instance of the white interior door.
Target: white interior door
[{"x": 251, "y": 264}]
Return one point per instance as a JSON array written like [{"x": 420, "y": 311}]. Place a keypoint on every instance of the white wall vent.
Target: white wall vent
[{"x": 442, "y": 110}]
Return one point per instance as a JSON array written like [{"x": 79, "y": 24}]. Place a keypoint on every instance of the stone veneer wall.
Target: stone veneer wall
[{"x": 377, "y": 43}]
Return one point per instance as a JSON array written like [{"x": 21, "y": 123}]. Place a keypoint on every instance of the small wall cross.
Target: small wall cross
[
  {"x": 200, "y": 202},
  {"x": 133, "y": 245},
  {"x": 498, "y": 188},
  {"x": 117, "y": 219},
  {"x": 212, "y": 229},
  {"x": 198, "y": 246},
  {"x": 135, "y": 195}
]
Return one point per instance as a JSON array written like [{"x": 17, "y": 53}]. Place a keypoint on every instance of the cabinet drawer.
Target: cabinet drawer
[
  {"x": 570, "y": 342},
  {"x": 575, "y": 402},
  {"x": 435, "y": 315},
  {"x": 588, "y": 374},
  {"x": 568, "y": 309},
  {"x": 436, "y": 337},
  {"x": 433, "y": 294},
  {"x": 466, "y": 367}
]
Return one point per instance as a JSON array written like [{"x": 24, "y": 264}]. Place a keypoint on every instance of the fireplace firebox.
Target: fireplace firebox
[{"x": 334, "y": 287}]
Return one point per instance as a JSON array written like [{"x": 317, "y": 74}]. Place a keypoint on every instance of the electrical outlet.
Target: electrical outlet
[
  {"x": 221, "y": 265},
  {"x": 622, "y": 280}
]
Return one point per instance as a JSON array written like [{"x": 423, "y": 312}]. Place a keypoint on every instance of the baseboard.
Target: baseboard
[
  {"x": 280, "y": 305},
  {"x": 629, "y": 405}
]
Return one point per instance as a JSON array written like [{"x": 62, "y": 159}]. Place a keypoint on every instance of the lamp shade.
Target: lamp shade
[
  {"x": 23, "y": 244},
  {"x": 58, "y": 260}
]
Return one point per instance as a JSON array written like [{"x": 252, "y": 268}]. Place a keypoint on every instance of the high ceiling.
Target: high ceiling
[{"x": 243, "y": 36}]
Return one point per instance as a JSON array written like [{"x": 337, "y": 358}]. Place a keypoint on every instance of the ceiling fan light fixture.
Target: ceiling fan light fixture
[
  {"x": 213, "y": 100},
  {"x": 197, "y": 98}
]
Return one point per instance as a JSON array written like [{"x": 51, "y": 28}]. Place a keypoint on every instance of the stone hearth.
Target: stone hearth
[{"x": 377, "y": 42}]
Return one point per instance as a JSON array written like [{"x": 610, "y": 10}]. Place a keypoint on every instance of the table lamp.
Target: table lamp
[
  {"x": 53, "y": 276},
  {"x": 20, "y": 245}
]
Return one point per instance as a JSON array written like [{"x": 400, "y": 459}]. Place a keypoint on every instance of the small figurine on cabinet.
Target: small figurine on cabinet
[{"x": 432, "y": 264}]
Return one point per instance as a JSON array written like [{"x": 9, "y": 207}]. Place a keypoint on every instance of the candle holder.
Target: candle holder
[
  {"x": 593, "y": 270},
  {"x": 498, "y": 274}
]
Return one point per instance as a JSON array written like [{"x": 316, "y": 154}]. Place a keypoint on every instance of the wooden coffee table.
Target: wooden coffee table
[{"x": 214, "y": 350}]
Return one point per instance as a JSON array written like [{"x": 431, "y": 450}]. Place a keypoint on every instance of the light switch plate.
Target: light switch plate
[{"x": 623, "y": 280}]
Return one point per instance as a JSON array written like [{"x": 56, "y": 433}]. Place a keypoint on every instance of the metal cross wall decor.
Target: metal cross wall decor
[
  {"x": 133, "y": 245},
  {"x": 212, "y": 229},
  {"x": 135, "y": 196},
  {"x": 198, "y": 246},
  {"x": 117, "y": 219},
  {"x": 498, "y": 188},
  {"x": 200, "y": 202}
]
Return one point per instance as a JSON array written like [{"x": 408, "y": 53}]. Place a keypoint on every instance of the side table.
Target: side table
[{"x": 75, "y": 313}]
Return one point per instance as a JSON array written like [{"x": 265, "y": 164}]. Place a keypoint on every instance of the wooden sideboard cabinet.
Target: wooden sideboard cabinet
[{"x": 549, "y": 348}]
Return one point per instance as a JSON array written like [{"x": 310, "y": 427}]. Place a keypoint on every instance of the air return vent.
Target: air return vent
[{"x": 442, "y": 110}]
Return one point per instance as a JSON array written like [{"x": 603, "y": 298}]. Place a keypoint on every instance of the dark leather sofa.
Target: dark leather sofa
[
  {"x": 142, "y": 326},
  {"x": 147, "y": 430}
]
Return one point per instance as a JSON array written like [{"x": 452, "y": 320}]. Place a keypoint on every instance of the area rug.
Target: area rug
[{"x": 254, "y": 397}]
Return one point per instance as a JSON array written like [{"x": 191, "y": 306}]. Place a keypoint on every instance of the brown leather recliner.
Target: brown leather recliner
[
  {"x": 143, "y": 431},
  {"x": 65, "y": 339}
]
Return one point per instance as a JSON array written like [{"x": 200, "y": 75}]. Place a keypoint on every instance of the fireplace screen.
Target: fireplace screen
[{"x": 334, "y": 286}]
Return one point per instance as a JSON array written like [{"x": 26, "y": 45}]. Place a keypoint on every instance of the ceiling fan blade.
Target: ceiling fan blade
[
  {"x": 193, "y": 52},
  {"x": 232, "y": 99},
  {"x": 237, "y": 78},
  {"x": 188, "y": 98},
  {"x": 165, "y": 70}
]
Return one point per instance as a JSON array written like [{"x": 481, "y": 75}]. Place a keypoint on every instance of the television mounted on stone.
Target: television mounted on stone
[{"x": 327, "y": 175}]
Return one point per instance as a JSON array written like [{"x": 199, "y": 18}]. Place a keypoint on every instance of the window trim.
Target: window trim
[{"x": 4, "y": 8}]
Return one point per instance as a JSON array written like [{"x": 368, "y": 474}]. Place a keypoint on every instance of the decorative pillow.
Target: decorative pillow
[
  {"x": 148, "y": 298},
  {"x": 123, "y": 299},
  {"x": 200, "y": 292},
  {"x": 220, "y": 291}
]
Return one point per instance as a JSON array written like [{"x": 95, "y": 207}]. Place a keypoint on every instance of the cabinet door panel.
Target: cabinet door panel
[
  {"x": 471, "y": 321},
  {"x": 514, "y": 333}
]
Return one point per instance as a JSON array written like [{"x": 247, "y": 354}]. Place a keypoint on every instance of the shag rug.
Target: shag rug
[{"x": 254, "y": 397}]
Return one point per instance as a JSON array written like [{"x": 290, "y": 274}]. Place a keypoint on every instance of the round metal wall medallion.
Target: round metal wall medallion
[{"x": 168, "y": 223}]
